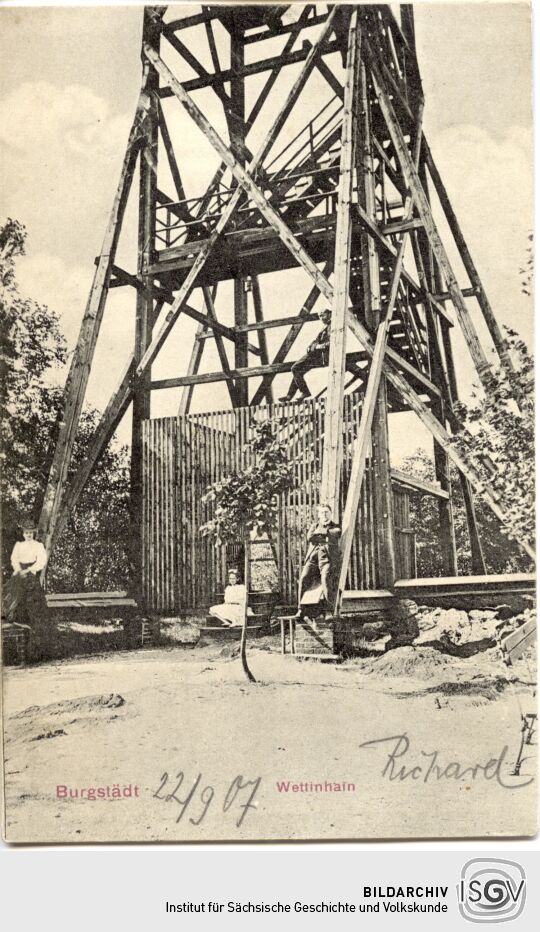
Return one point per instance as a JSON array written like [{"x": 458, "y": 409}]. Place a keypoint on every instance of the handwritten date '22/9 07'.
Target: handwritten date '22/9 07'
[{"x": 240, "y": 797}]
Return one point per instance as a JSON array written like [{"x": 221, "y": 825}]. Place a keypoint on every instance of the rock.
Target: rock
[
  {"x": 372, "y": 630},
  {"x": 180, "y": 631},
  {"x": 404, "y": 608},
  {"x": 482, "y": 614},
  {"x": 452, "y": 628},
  {"x": 505, "y": 611}
]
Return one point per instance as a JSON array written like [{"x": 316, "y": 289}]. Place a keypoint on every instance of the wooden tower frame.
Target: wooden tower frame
[{"x": 346, "y": 212}]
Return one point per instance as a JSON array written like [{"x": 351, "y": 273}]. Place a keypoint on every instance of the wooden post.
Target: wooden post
[
  {"x": 333, "y": 421},
  {"x": 478, "y": 563},
  {"x": 237, "y": 137},
  {"x": 263, "y": 345},
  {"x": 241, "y": 359},
  {"x": 383, "y": 504},
  {"x": 426, "y": 268},
  {"x": 362, "y": 441},
  {"x": 145, "y": 305}
]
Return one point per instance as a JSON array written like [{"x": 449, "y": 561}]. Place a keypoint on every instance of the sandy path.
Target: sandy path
[{"x": 191, "y": 711}]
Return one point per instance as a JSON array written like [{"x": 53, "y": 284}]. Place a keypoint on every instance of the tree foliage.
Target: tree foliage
[
  {"x": 497, "y": 433},
  {"x": 501, "y": 555},
  {"x": 91, "y": 552},
  {"x": 498, "y": 429},
  {"x": 247, "y": 500}
]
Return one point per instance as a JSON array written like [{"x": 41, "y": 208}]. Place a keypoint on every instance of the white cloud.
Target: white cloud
[{"x": 70, "y": 120}]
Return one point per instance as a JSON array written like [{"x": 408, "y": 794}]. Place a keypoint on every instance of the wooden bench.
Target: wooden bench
[
  {"x": 104, "y": 604},
  {"x": 513, "y": 647},
  {"x": 262, "y": 605}
]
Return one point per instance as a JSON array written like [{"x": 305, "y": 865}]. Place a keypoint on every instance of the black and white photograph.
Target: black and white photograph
[{"x": 267, "y": 423}]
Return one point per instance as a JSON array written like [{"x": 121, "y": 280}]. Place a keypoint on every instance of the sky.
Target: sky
[{"x": 70, "y": 79}]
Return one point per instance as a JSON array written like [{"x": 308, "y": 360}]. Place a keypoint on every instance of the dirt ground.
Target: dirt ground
[{"x": 182, "y": 747}]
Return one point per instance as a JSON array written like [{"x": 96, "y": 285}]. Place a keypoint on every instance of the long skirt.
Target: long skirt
[
  {"x": 24, "y": 603},
  {"x": 229, "y": 614}
]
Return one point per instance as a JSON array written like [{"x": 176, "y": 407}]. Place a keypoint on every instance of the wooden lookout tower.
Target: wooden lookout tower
[{"x": 311, "y": 120}]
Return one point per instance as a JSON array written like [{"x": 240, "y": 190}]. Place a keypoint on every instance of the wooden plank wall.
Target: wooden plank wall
[
  {"x": 184, "y": 455},
  {"x": 160, "y": 555}
]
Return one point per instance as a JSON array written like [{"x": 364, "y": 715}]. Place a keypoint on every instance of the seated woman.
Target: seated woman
[{"x": 231, "y": 612}]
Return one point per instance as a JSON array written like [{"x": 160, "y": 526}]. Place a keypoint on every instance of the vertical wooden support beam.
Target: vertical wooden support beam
[
  {"x": 237, "y": 135},
  {"x": 263, "y": 345},
  {"x": 383, "y": 504},
  {"x": 478, "y": 563},
  {"x": 241, "y": 358},
  {"x": 427, "y": 275},
  {"x": 333, "y": 422},
  {"x": 145, "y": 304},
  {"x": 361, "y": 444}
]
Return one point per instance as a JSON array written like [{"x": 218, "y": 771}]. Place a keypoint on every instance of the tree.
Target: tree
[
  {"x": 247, "y": 501},
  {"x": 501, "y": 555},
  {"x": 92, "y": 549},
  {"x": 498, "y": 429}
]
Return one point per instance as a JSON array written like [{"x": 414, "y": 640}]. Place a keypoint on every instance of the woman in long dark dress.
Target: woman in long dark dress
[{"x": 24, "y": 600}]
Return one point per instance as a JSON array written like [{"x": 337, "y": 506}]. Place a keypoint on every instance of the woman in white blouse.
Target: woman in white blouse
[
  {"x": 24, "y": 599},
  {"x": 231, "y": 611}
]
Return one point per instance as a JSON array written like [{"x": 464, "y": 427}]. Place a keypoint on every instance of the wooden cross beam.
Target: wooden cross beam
[
  {"x": 250, "y": 372},
  {"x": 81, "y": 362},
  {"x": 288, "y": 342}
]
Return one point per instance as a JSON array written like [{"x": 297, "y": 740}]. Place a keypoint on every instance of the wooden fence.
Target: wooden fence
[{"x": 184, "y": 455}]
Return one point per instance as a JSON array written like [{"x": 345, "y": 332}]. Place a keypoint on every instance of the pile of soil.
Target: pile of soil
[{"x": 416, "y": 662}]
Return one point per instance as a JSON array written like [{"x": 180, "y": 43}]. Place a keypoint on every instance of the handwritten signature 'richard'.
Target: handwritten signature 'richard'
[{"x": 398, "y": 765}]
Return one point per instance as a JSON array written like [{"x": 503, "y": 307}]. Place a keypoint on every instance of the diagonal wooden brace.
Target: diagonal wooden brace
[
  {"x": 435, "y": 427},
  {"x": 422, "y": 204},
  {"x": 81, "y": 362}
]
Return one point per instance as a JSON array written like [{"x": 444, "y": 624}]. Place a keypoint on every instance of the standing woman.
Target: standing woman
[{"x": 24, "y": 598}]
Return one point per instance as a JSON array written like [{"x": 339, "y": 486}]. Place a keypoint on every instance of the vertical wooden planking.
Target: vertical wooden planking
[{"x": 144, "y": 504}]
